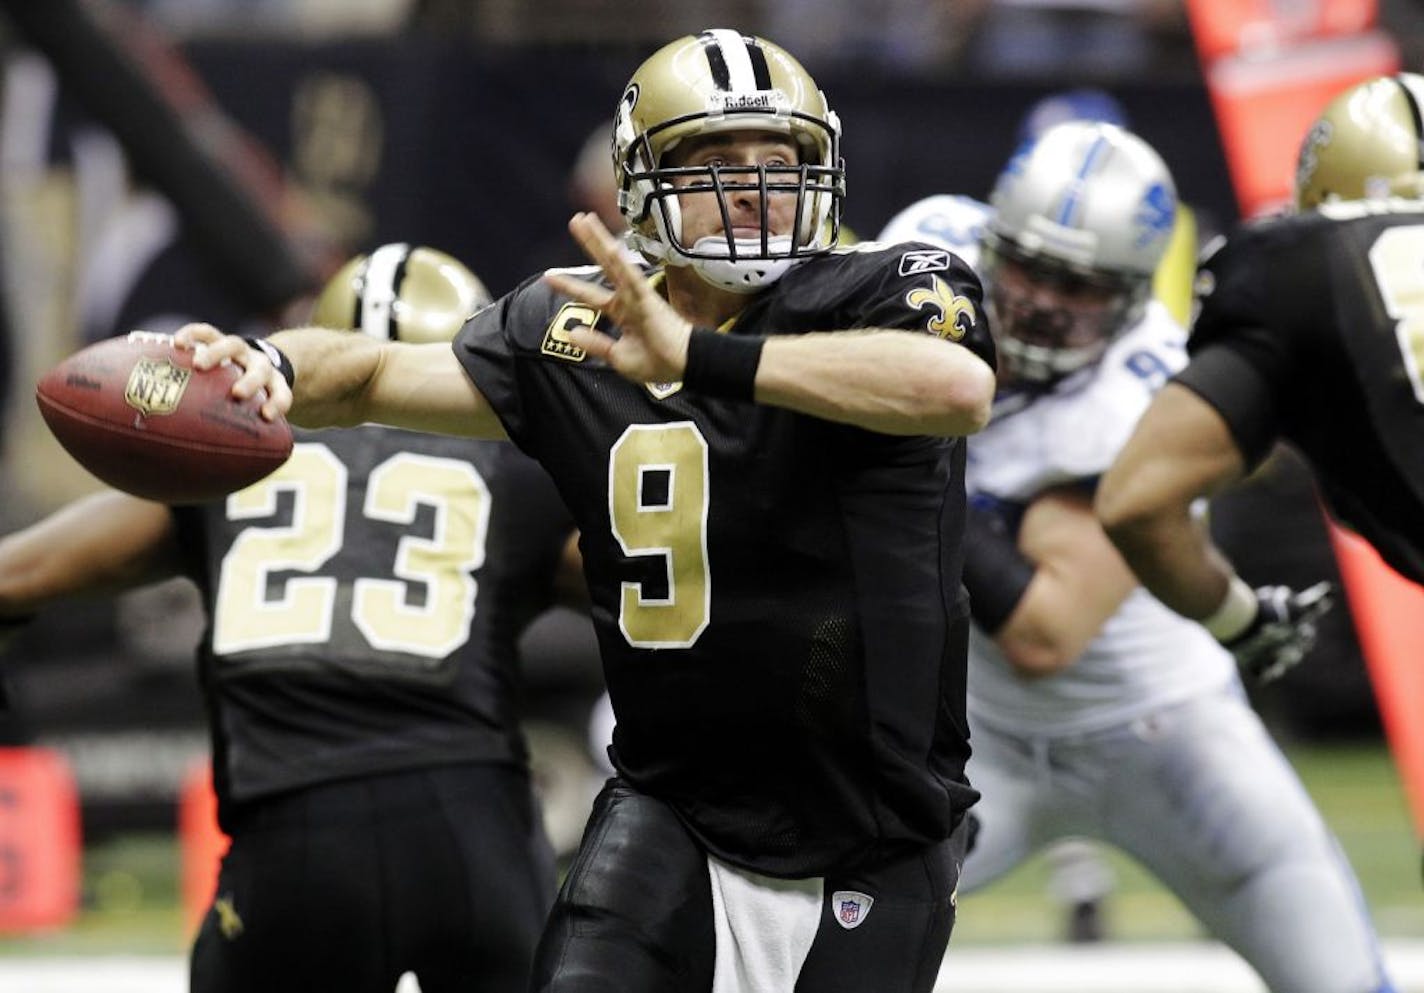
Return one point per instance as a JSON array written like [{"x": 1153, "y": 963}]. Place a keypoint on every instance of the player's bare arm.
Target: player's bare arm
[
  {"x": 1079, "y": 581},
  {"x": 1181, "y": 449},
  {"x": 895, "y": 382},
  {"x": 102, "y": 543},
  {"x": 341, "y": 380}
]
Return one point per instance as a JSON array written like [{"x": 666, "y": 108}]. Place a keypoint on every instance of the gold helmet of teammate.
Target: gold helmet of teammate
[
  {"x": 719, "y": 81},
  {"x": 1367, "y": 145},
  {"x": 400, "y": 292}
]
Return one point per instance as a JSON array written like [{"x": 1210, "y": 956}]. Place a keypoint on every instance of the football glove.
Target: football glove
[{"x": 1282, "y": 632}]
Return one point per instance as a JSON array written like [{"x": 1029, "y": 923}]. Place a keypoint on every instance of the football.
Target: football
[{"x": 135, "y": 413}]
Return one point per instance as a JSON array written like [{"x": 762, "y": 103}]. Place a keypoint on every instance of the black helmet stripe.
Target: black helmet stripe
[
  {"x": 736, "y": 62},
  {"x": 385, "y": 270},
  {"x": 761, "y": 72},
  {"x": 397, "y": 285},
  {"x": 358, "y": 285},
  {"x": 716, "y": 64},
  {"x": 1411, "y": 101}
]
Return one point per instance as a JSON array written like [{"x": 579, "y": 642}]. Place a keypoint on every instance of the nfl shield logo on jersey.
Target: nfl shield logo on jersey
[{"x": 851, "y": 907}]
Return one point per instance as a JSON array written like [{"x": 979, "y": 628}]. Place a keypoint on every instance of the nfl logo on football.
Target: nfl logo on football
[{"x": 156, "y": 387}]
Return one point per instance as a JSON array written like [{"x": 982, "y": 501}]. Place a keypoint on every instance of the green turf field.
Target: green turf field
[
  {"x": 1357, "y": 790},
  {"x": 131, "y": 887}
]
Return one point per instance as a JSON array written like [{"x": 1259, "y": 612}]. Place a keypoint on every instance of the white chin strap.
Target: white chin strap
[{"x": 744, "y": 275}]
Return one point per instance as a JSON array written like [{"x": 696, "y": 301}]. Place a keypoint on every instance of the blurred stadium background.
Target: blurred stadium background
[{"x": 216, "y": 158}]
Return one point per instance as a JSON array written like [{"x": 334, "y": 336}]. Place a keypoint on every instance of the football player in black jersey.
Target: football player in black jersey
[
  {"x": 761, "y": 441},
  {"x": 1311, "y": 330},
  {"x": 359, "y": 668}
]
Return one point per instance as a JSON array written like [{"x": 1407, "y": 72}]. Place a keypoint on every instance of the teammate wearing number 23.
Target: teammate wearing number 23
[{"x": 363, "y": 604}]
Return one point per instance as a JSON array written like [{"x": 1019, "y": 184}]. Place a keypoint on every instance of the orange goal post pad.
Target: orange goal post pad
[
  {"x": 41, "y": 847},
  {"x": 201, "y": 843},
  {"x": 1388, "y": 611},
  {"x": 1228, "y": 27},
  {"x": 1265, "y": 104}
]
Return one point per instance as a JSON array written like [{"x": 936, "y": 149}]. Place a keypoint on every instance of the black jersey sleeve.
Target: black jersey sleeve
[
  {"x": 1239, "y": 356},
  {"x": 913, "y": 286},
  {"x": 488, "y": 351},
  {"x": 1223, "y": 378},
  {"x": 501, "y": 347}
]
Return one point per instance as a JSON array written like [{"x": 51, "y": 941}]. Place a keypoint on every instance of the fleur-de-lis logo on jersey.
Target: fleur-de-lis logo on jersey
[
  {"x": 953, "y": 315},
  {"x": 229, "y": 923}
]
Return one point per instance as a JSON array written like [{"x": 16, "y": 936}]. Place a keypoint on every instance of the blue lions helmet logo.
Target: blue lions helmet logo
[{"x": 1155, "y": 214}]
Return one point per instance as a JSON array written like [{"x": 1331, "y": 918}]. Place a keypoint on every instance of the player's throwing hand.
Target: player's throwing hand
[{"x": 260, "y": 372}]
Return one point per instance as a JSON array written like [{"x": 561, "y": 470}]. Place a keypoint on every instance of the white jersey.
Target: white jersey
[
  {"x": 953, "y": 222},
  {"x": 1146, "y": 741},
  {"x": 1146, "y": 656}
]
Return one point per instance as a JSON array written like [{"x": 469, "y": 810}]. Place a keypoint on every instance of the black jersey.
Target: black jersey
[
  {"x": 776, "y": 596},
  {"x": 1311, "y": 330},
  {"x": 364, "y": 603}
]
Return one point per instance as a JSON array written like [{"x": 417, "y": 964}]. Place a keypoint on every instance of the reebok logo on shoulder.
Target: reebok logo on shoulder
[{"x": 923, "y": 260}]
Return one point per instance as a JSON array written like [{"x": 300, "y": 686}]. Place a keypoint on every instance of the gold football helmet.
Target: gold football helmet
[
  {"x": 401, "y": 293},
  {"x": 716, "y": 81},
  {"x": 1368, "y": 144}
]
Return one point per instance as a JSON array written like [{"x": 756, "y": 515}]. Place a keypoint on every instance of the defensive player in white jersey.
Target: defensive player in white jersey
[{"x": 1096, "y": 711}]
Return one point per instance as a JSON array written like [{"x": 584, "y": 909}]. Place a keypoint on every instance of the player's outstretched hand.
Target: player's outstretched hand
[
  {"x": 211, "y": 347},
  {"x": 651, "y": 346},
  {"x": 1283, "y": 632}
]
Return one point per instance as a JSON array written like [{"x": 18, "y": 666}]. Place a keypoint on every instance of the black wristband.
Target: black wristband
[
  {"x": 722, "y": 365},
  {"x": 996, "y": 574},
  {"x": 277, "y": 357}
]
